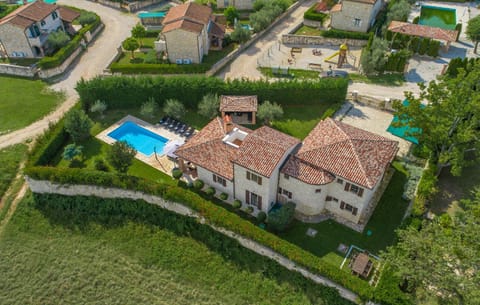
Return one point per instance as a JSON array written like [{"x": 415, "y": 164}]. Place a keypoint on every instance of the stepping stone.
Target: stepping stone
[{"x": 311, "y": 232}]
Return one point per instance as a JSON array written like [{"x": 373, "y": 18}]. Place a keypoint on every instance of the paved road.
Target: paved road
[
  {"x": 92, "y": 63},
  {"x": 245, "y": 65}
]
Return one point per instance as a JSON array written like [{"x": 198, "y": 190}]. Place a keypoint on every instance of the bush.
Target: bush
[
  {"x": 311, "y": 14},
  {"x": 249, "y": 210},
  {"x": 86, "y": 18},
  {"x": 433, "y": 48},
  {"x": 152, "y": 33},
  {"x": 261, "y": 216},
  {"x": 333, "y": 33},
  {"x": 237, "y": 204},
  {"x": 224, "y": 196},
  {"x": 458, "y": 28},
  {"x": 149, "y": 108},
  {"x": 210, "y": 191},
  {"x": 174, "y": 108},
  {"x": 120, "y": 156},
  {"x": 147, "y": 68},
  {"x": 78, "y": 125},
  {"x": 278, "y": 220},
  {"x": 416, "y": 20},
  {"x": 423, "y": 46},
  {"x": 198, "y": 184},
  {"x": 177, "y": 173},
  {"x": 100, "y": 165}
]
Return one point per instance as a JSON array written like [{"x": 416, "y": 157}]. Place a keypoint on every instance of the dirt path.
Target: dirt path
[
  {"x": 92, "y": 63},
  {"x": 13, "y": 206}
]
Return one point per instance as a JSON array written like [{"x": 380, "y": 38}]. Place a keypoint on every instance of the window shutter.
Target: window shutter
[
  {"x": 224, "y": 182},
  {"x": 329, "y": 198},
  {"x": 279, "y": 190},
  {"x": 214, "y": 177},
  {"x": 247, "y": 197},
  {"x": 259, "y": 180},
  {"x": 355, "y": 210},
  {"x": 342, "y": 205},
  {"x": 248, "y": 175},
  {"x": 360, "y": 192},
  {"x": 259, "y": 202},
  {"x": 347, "y": 186}
]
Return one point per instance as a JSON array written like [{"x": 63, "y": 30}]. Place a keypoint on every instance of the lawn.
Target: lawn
[
  {"x": 10, "y": 159},
  {"x": 308, "y": 31},
  {"x": 383, "y": 223},
  {"x": 292, "y": 73},
  {"x": 44, "y": 261},
  {"x": 24, "y": 102},
  {"x": 392, "y": 80}
]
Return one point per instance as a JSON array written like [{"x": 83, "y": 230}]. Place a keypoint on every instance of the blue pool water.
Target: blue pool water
[
  {"x": 152, "y": 14},
  {"x": 142, "y": 140},
  {"x": 29, "y": 1}
]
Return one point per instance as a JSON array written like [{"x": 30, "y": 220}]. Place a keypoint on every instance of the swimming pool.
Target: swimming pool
[
  {"x": 440, "y": 17},
  {"x": 29, "y": 1},
  {"x": 143, "y": 140},
  {"x": 152, "y": 15}
]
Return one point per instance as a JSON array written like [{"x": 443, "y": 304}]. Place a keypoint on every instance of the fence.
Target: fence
[{"x": 15, "y": 70}]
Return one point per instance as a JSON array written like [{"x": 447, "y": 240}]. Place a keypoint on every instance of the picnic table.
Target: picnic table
[{"x": 362, "y": 265}]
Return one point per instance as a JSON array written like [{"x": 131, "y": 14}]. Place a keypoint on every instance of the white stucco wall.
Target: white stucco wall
[
  {"x": 303, "y": 194},
  {"x": 207, "y": 177},
  {"x": 344, "y": 19}
]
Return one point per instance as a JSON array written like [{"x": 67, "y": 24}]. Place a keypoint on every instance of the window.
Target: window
[
  {"x": 354, "y": 189},
  {"x": 348, "y": 207},
  {"x": 253, "y": 199},
  {"x": 279, "y": 190},
  {"x": 286, "y": 176},
  {"x": 254, "y": 177},
  {"x": 330, "y": 198},
  {"x": 357, "y": 22},
  {"x": 42, "y": 23},
  {"x": 219, "y": 180},
  {"x": 318, "y": 191},
  {"x": 54, "y": 15},
  {"x": 287, "y": 193},
  {"x": 340, "y": 181},
  {"x": 334, "y": 199}
]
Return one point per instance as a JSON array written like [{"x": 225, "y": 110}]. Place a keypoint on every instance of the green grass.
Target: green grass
[
  {"x": 293, "y": 73},
  {"x": 214, "y": 56},
  {"x": 394, "y": 79},
  {"x": 308, "y": 31},
  {"x": 383, "y": 223},
  {"x": 43, "y": 262},
  {"x": 24, "y": 102},
  {"x": 10, "y": 159}
]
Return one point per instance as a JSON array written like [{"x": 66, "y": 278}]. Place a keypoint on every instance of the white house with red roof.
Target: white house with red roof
[
  {"x": 337, "y": 170},
  {"x": 355, "y": 15}
]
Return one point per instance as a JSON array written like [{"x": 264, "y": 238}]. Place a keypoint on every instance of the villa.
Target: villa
[
  {"x": 335, "y": 172},
  {"x": 355, "y": 15},
  {"x": 189, "y": 32},
  {"x": 24, "y": 32}
]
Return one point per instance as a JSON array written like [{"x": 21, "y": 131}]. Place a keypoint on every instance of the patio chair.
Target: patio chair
[
  {"x": 172, "y": 124},
  {"x": 178, "y": 127},
  {"x": 162, "y": 120},
  {"x": 182, "y": 129},
  {"x": 167, "y": 121}
]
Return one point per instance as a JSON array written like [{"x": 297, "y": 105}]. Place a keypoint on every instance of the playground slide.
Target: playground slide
[{"x": 332, "y": 56}]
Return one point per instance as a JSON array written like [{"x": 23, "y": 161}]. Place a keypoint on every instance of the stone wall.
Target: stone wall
[
  {"x": 42, "y": 187},
  {"x": 319, "y": 40},
  {"x": 313, "y": 24},
  {"x": 138, "y": 5},
  {"x": 18, "y": 70},
  {"x": 112, "y": 4}
]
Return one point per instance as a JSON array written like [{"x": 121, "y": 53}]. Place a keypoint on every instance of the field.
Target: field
[
  {"x": 24, "y": 102},
  {"x": 10, "y": 158},
  {"x": 49, "y": 259}
]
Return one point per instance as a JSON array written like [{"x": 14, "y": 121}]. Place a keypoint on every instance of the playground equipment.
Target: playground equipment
[{"x": 342, "y": 55}]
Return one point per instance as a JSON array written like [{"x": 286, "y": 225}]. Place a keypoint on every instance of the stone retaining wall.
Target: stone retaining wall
[
  {"x": 319, "y": 40},
  {"x": 313, "y": 24},
  {"x": 18, "y": 70},
  {"x": 45, "y": 187}
]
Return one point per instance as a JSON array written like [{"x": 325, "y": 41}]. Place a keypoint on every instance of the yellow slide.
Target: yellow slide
[{"x": 332, "y": 56}]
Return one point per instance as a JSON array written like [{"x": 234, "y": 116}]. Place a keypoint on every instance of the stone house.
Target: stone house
[
  {"x": 240, "y": 108},
  {"x": 238, "y": 4},
  {"x": 24, "y": 32},
  {"x": 189, "y": 32},
  {"x": 355, "y": 15},
  {"x": 336, "y": 171}
]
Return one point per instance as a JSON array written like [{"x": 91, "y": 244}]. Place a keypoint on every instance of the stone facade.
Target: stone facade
[
  {"x": 14, "y": 41},
  {"x": 355, "y": 15},
  {"x": 239, "y": 4},
  {"x": 18, "y": 70},
  {"x": 186, "y": 45}
]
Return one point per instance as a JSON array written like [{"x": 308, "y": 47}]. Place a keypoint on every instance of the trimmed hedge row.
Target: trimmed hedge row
[
  {"x": 159, "y": 68},
  {"x": 59, "y": 57},
  {"x": 127, "y": 92},
  {"x": 311, "y": 14},
  {"x": 333, "y": 33}
]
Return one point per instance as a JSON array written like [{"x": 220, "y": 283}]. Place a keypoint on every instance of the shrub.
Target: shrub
[
  {"x": 458, "y": 28},
  {"x": 120, "y": 156},
  {"x": 278, "y": 220},
  {"x": 99, "y": 106},
  {"x": 311, "y": 14},
  {"x": 269, "y": 111},
  {"x": 416, "y": 20},
  {"x": 224, "y": 196},
  {"x": 208, "y": 106},
  {"x": 57, "y": 40},
  {"x": 86, "y": 18},
  {"x": 177, "y": 173},
  {"x": 151, "y": 57},
  {"x": 78, "y": 125},
  {"x": 237, "y": 204},
  {"x": 433, "y": 48},
  {"x": 71, "y": 151},
  {"x": 249, "y": 209},
  {"x": 149, "y": 108},
  {"x": 152, "y": 33},
  {"x": 333, "y": 33},
  {"x": 240, "y": 34},
  {"x": 261, "y": 216},
  {"x": 210, "y": 191},
  {"x": 423, "y": 46},
  {"x": 174, "y": 108},
  {"x": 198, "y": 184},
  {"x": 148, "y": 68},
  {"x": 100, "y": 165}
]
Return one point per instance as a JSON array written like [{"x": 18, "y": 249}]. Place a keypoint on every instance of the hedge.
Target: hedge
[
  {"x": 311, "y": 14},
  {"x": 158, "y": 68},
  {"x": 333, "y": 33},
  {"x": 59, "y": 57},
  {"x": 127, "y": 92}
]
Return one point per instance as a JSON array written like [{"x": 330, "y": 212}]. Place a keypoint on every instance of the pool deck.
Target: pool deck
[{"x": 162, "y": 162}]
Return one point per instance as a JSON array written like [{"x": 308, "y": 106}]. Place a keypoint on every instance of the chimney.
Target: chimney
[{"x": 227, "y": 123}]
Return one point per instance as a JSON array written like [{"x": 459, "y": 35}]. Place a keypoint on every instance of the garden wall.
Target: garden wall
[
  {"x": 319, "y": 40},
  {"x": 18, "y": 70},
  {"x": 42, "y": 187}
]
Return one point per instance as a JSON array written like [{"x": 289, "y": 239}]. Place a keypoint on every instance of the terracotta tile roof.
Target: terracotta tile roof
[
  {"x": 346, "y": 151},
  {"x": 336, "y": 8},
  {"x": 321, "y": 7},
  {"x": 306, "y": 172},
  {"x": 238, "y": 103},
  {"x": 217, "y": 29},
  {"x": 206, "y": 149},
  {"x": 186, "y": 25},
  {"x": 191, "y": 10},
  {"x": 68, "y": 15},
  {"x": 422, "y": 31},
  {"x": 27, "y": 14},
  {"x": 263, "y": 149},
  {"x": 363, "y": 1}
]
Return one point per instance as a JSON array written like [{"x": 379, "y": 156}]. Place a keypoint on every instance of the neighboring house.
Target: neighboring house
[
  {"x": 238, "y": 4},
  {"x": 241, "y": 109},
  {"x": 337, "y": 170},
  {"x": 24, "y": 32},
  {"x": 189, "y": 32},
  {"x": 355, "y": 15},
  {"x": 68, "y": 16}
]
